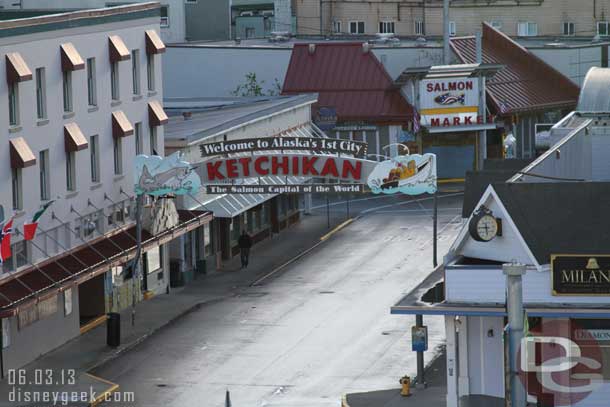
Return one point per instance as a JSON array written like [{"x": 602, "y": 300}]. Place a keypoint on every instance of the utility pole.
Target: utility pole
[
  {"x": 321, "y": 20},
  {"x": 446, "y": 51},
  {"x": 514, "y": 308}
]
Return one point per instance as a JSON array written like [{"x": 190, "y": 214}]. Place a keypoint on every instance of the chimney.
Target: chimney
[
  {"x": 312, "y": 49},
  {"x": 366, "y": 47}
]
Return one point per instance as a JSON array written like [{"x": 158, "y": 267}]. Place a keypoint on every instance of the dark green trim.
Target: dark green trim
[{"x": 79, "y": 22}]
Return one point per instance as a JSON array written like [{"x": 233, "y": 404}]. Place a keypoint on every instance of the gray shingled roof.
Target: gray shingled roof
[{"x": 560, "y": 217}]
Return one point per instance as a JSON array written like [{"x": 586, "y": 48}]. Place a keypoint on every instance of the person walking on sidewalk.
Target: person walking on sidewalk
[{"x": 245, "y": 243}]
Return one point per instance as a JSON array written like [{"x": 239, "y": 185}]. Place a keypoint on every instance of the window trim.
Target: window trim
[
  {"x": 17, "y": 188},
  {"x": 420, "y": 28},
  {"x": 94, "y": 157},
  {"x": 606, "y": 24},
  {"x": 384, "y": 23},
  {"x": 117, "y": 154},
  {"x": 67, "y": 91},
  {"x": 164, "y": 21},
  {"x": 528, "y": 24},
  {"x": 337, "y": 24},
  {"x": 13, "y": 104},
  {"x": 41, "y": 93},
  {"x": 570, "y": 32},
  {"x": 153, "y": 140},
  {"x": 45, "y": 182},
  {"x": 115, "y": 84},
  {"x": 70, "y": 171},
  {"x": 135, "y": 72},
  {"x": 150, "y": 72},
  {"x": 91, "y": 82},
  {"x": 357, "y": 22},
  {"x": 139, "y": 141}
]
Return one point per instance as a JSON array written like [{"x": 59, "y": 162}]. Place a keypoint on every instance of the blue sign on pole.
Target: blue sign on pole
[{"x": 419, "y": 338}]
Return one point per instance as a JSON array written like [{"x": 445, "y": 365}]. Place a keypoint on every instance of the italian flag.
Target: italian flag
[{"x": 29, "y": 228}]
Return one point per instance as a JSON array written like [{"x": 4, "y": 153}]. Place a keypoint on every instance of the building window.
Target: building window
[
  {"x": 452, "y": 29},
  {"x": 150, "y": 72},
  {"x": 337, "y": 27},
  {"x": 13, "y": 103},
  {"x": 356, "y": 27},
  {"x": 17, "y": 187},
  {"x": 603, "y": 28},
  {"x": 138, "y": 138},
  {"x": 91, "y": 85},
  {"x": 67, "y": 86},
  {"x": 153, "y": 140},
  {"x": 118, "y": 156},
  {"x": 20, "y": 255},
  {"x": 135, "y": 71},
  {"x": 527, "y": 29},
  {"x": 386, "y": 27},
  {"x": 70, "y": 171},
  {"x": 497, "y": 24},
  {"x": 114, "y": 81},
  {"x": 419, "y": 27},
  {"x": 568, "y": 28},
  {"x": 95, "y": 159},
  {"x": 41, "y": 102},
  {"x": 45, "y": 188},
  {"x": 164, "y": 16}
]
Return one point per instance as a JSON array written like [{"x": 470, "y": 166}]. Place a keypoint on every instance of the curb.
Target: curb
[{"x": 336, "y": 229}]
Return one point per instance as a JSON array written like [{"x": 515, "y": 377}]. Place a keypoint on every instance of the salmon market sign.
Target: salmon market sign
[{"x": 290, "y": 161}]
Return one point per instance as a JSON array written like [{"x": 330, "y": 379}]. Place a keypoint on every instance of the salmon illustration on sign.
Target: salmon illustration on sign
[
  {"x": 157, "y": 176},
  {"x": 450, "y": 99},
  {"x": 410, "y": 174}
]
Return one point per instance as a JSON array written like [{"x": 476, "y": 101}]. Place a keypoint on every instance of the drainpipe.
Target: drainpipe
[{"x": 514, "y": 308}]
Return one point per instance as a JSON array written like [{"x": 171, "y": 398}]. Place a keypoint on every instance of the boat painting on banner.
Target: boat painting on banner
[
  {"x": 409, "y": 174},
  {"x": 157, "y": 176}
]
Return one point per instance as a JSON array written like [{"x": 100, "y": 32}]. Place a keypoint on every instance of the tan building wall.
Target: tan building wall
[{"x": 468, "y": 15}]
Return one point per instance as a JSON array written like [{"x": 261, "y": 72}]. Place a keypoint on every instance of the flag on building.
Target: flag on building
[
  {"x": 5, "y": 240},
  {"x": 416, "y": 119},
  {"x": 29, "y": 228}
]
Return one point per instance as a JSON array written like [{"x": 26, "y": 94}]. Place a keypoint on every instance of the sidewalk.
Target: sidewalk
[
  {"x": 432, "y": 396},
  {"x": 89, "y": 350}
]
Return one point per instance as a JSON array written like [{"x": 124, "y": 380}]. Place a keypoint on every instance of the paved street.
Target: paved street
[{"x": 307, "y": 335}]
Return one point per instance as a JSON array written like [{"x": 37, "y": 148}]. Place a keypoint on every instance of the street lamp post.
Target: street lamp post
[{"x": 514, "y": 305}]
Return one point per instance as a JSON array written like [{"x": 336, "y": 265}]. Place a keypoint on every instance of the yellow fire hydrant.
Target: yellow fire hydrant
[{"x": 405, "y": 381}]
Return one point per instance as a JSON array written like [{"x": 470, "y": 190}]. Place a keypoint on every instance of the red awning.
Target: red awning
[{"x": 61, "y": 272}]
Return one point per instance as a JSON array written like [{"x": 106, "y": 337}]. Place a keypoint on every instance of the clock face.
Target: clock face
[{"x": 487, "y": 227}]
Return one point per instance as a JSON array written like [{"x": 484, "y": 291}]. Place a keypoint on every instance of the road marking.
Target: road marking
[{"x": 102, "y": 397}]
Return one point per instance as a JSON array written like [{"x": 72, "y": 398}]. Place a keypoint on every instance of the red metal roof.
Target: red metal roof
[
  {"x": 82, "y": 264},
  {"x": 348, "y": 78},
  {"x": 526, "y": 83}
]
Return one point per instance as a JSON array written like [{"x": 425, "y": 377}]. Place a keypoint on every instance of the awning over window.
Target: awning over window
[
  {"x": 61, "y": 272},
  {"x": 118, "y": 49},
  {"x": 70, "y": 58},
  {"x": 156, "y": 114},
  {"x": 74, "y": 139},
  {"x": 121, "y": 126},
  {"x": 16, "y": 68},
  {"x": 21, "y": 154},
  {"x": 154, "y": 45}
]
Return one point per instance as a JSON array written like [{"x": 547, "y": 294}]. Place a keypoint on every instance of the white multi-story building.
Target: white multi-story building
[{"x": 82, "y": 97}]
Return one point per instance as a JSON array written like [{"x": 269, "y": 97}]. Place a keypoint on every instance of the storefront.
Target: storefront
[
  {"x": 526, "y": 97},
  {"x": 451, "y": 120},
  {"x": 261, "y": 215}
]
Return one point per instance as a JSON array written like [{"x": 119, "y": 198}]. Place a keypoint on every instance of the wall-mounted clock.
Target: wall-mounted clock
[{"x": 484, "y": 226}]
